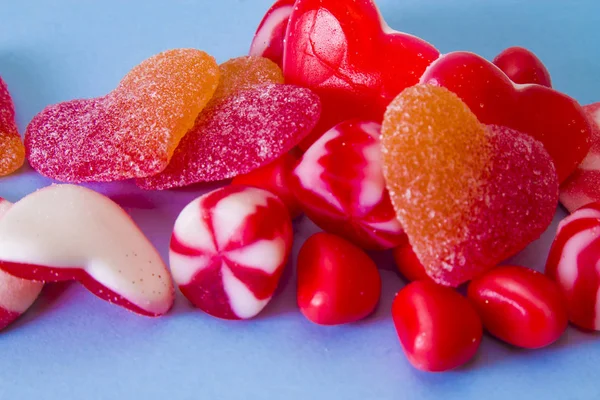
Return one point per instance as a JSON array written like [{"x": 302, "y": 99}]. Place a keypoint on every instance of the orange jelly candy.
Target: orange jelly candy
[
  {"x": 130, "y": 133},
  {"x": 245, "y": 73},
  {"x": 468, "y": 195},
  {"x": 12, "y": 152}
]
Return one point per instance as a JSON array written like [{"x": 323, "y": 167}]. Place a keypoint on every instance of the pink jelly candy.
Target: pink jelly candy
[
  {"x": 67, "y": 232},
  {"x": 12, "y": 151},
  {"x": 573, "y": 263},
  {"x": 345, "y": 52},
  {"x": 129, "y": 133},
  {"x": 16, "y": 294},
  {"x": 268, "y": 39},
  {"x": 228, "y": 250},
  {"x": 467, "y": 195},
  {"x": 583, "y": 186},
  {"x": 523, "y": 66},
  {"x": 240, "y": 133},
  {"x": 340, "y": 186}
]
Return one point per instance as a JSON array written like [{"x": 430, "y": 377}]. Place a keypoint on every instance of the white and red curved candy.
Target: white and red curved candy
[
  {"x": 228, "y": 250},
  {"x": 16, "y": 294},
  {"x": 67, "y": 232},
  {"x": 268, "y": 39},
  {"x": 339, "y": 184},
  {"x": 583, "y": 186},
  {"x": 573, "y": 263}
]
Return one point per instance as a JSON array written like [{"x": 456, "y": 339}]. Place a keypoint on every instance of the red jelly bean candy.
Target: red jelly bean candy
[
  {"x": 583, "y": 186},
  {"x": 408, "y": 263},
  {"x": 551, "y": 117},
  {"x": 344, "y": 51},
  {"x": 523, "y": 66},
  {"x": 520, "y": 306},
  {"x": 337, "y": 282},
  {"x": 16, "y": 294},
  {"x": 228, "y": 250},
  {"x": 573, "y": 262},
  {"x": 67, "y": 232},
  {"x": 340, "y": 186},
  {"x": 12, "y": 151},
  {"x": 240, "y": 133},
  {"x": 275, "y": 177},
  {"x": 468, "y": 195},
  {"x": 438, "y": 328},
  {"x": 269, "y": 37},
  {"x": 129, "y": 133}
]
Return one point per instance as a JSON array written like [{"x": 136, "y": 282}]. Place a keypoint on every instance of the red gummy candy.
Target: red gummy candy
[
  {"x": 275, "y": 177},
  {"x": 523, "y": 66},
  {"x": 228, "y": 250},
  {"x": 583, "y": 186},
  {"x": 269, "y": 37},
  {"x": 240, "y": 133},
  {"x": 337, "y": 282},
  {"x": 467, "y": 195},
  {"x": 573, "y": 263},
  {"x": 345, "y": 52},
  {"x": 408, "y": 263},
  {"x": 129, "y": 133},
  {"x": 12, "y": 151},
  {"x": 340, "y": 186},
  {"x": 549, "y": 116}
]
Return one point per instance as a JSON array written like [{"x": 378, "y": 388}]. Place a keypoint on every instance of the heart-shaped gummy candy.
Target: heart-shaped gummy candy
[
  {"x": 344, "y": 51},
  {"x": 467, "y": 195}
]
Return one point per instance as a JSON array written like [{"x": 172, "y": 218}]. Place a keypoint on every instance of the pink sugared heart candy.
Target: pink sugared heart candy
[
  {"x": 276, "y": 178},
  {"x": 573, "y": 263},
  {"x": 340, "y": 186},
  {"x": 583, "y": 186},
  {"x": 549, "y": 116},
  {"x": 268, "y": 39},
  {"x": 523, "y": 66},
  {"x": 344, "y": 51},
  {"x": 239, "y": 133},
  {"x": 16, "y": 294},
  {"x": 67, "y": 232},
  {"x": 228, "y": 250},
  {"x": 467, "y": 195}
]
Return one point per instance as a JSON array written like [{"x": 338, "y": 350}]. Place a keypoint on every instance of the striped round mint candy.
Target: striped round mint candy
[
  {"x": 228, "y": 250},
  {"x": 573, "y": 263}
]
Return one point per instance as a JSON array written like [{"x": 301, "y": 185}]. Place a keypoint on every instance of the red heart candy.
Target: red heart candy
[
  {"x": 523, "y": 66},
  {"x": 345, "y": 52},
  {"x": 549, "y": 116}
]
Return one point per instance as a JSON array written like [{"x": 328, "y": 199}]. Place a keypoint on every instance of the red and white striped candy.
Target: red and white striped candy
[
  {"x": 68, "y": 232},
  {"x": 229, "y": 248},
  {"x": 339, "y": 184},
  {"x": 269, "y": 36},
  {"x": 16, "y": 294},
  {"x": 583, "y": 186},
  {"x": 574, "y": 262}
]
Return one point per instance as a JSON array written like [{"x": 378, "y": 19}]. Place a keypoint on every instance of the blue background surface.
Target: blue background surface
[{"x": 75, "y": 346}]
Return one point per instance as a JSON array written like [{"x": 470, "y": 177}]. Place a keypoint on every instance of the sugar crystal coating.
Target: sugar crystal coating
[
  {"x": 133, "y": 131},
  {"x": 245, "y": 73},
  {"x": 239, "y": 134},
  {"x": 467, "y": 195},
  {"x": 12, "y": 151}
]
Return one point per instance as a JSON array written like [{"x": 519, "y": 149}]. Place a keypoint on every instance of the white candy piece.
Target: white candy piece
[{"x": 69, "y": 232}]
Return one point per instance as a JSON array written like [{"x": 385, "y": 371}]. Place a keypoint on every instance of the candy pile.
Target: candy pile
[{"x": 453, "y": 162}]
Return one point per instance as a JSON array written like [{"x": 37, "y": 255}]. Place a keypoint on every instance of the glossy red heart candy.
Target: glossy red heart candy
[
  {"x": 344, "y": 51},
  {"x": 523, "y": 66},
  {"x": 549, "y": 116},
  {"x": 268, "y": 39}
]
